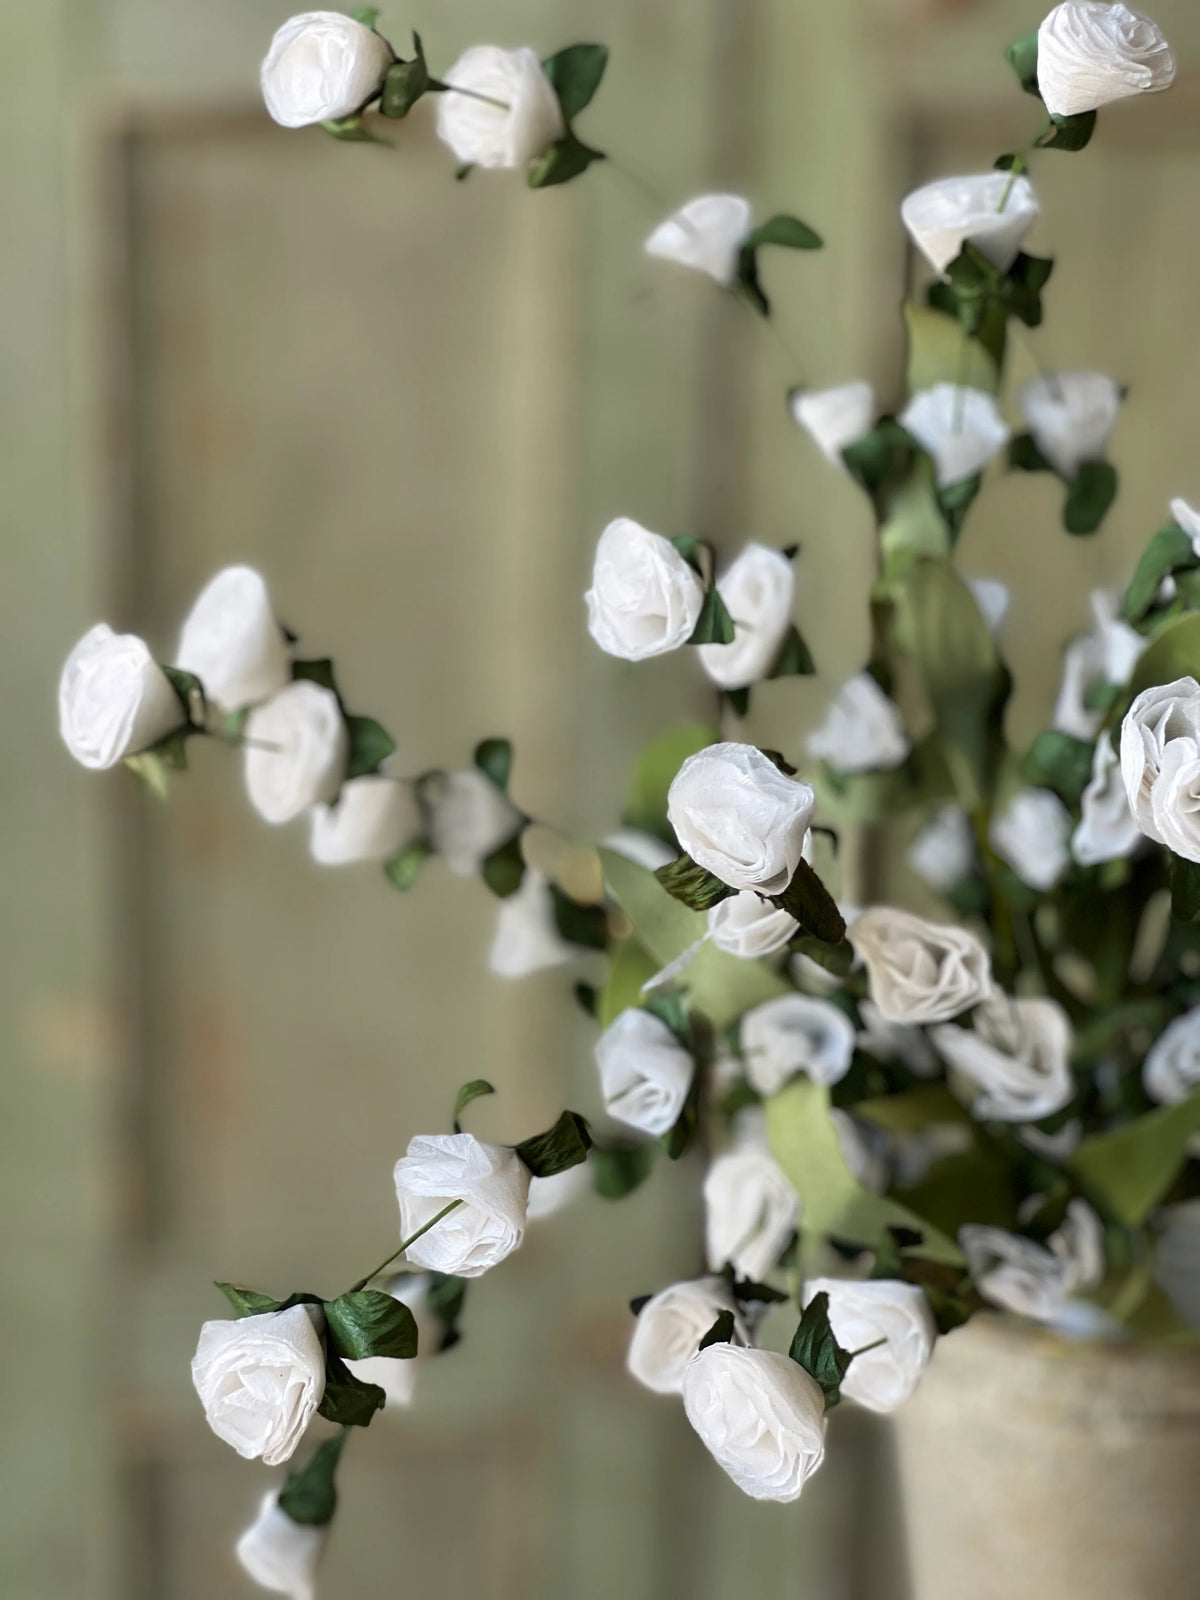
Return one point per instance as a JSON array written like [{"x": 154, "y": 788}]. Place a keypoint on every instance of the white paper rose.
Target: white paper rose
[
  {"x": 373, "y": 819},
  {"x": 645, "y": 1073},
  {"x": 987, "y": 209},
  {"x": 1033, "y": 835},
  {"x": 232, "y": 642},
  {"x": 469, "y": 819},
  {"x": 792, "y": 1034},
  {"x": 1036, "y": 1280},
  {"x": 943, "y": 853},
  {"x": 670, "y": 1327},
  {"x": 1090, "y": 54},
  {"x": 1106, "y": 655},
  {"x": 261, "y": 1379},
  {"x": 508, "y": 114},
  {"x": 863, "y": 730},
  {"x": 760, "y": 1415},
  {"x": 748, "y": 926},
  {"x": 1107, "y": 829},
  {"x": 527, "y": 938},
  {"x": 281, "y": 1555},
  {"x": 322, "y": 66},
  {"x": 296, "y": 747},
  {"x": 740, "y": 818},
  {"x": 1160, "y": 763},
  {"x": 993, "y": 600},
  {"x": 834, "y": 418},
  {"x": 860, "y": 1314},
  {"x": 706, "y": 235},
  {"x": 1172, "y": 1066},
  {"x": 757, "y": 590},
  {"x": 645, "y": 599},
  {"x": 1071, "y": 416},
  {"x": 491, "y": 1181},
  {"x": 396, "y": 1377},
  {"x": 114, "y": 699},
  {"x": 1017, "y": 1054},
  {"x": 920, "y": 972},
  {"x": 750, "y": 1210},
  {"x": 960, "y": 429}
]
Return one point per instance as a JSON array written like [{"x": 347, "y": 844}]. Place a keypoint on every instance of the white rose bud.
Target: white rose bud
[
  {"x": 993, "y": 600},
  {"x": 232, "y": 642},
  {"x": 322, "y": 66},
  {"x": 281, "y": 1555},
  {"x": 1106, "y": 655},
  {"x": 920, "y": 972},
  {"x": 1107, "y": 830},
  {"x": 1172, "y": 1066},
  {"x": 1091, "y": 54},
  {"x": 670, "y": 1327},
  {"x": 645, "y": 1073},
  {"x": 1160, "y": 763},
  {"x": 960, "y": 429},
  {"x": 706, "y": 235},
  {"x": 469, "y": 819},
  {"x": 757, "y": 591},
  {"x": 1033, "y": 835},
  {"x": 114, "y": 699},
  {"x": 1071, "y": 416},
  {"x": 261, "y": 1379},
  {"x": 523, "y": 123},
  {"x": 748, "y": 926},
  {"x": 395, "y": 1376},
  {"x": 1188, "y": 520},
  {"x": 750, "y": 1211},
  {"x": 645, "y": 599},
  {"x": 760, "y": 1415},
  {"x": 835, "y": 418},
  {"x": 792, "y": 1034},
  {"x": 490, "y": 1180},
  {"x": 989, "y": 210},
  {"x": 860, "y": 1314},
  {"x": 1018, "y": 1054},
  {"x": 296, "y": 747},
  {"x": 943, "y": 853},
  {"x": 527, "y": 938},
  {"x": 373, "y": 819},
  {"x": 863, "y": 730},
  {"x": 1036, "y": 1280},
  {"x": 740, "y": 818}
]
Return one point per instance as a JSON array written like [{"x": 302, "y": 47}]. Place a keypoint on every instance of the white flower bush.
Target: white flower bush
[
  {"x": 645, "y": 599},
  {"x": 706, "y": 235},
  {"x": 796, "y": 1034},
  {"x": 988, "y": 210},
  {"x": 374, "y": 818},
  {"x": 669, "y": 1329},
  {"x": 1091, "y": 53},
  {"x": 760, "y": 1416},
  {"x": 113, "y": 699},
  {"x": 920, "y": 972},
  {"x": 862, "y": 1314},
  {"x": 501, "y": 109},
  {"x": 960, "y": 429},
  {"x": 296, "y": 751},
  {"x": 1017, "y": 1054},
  {"x": 490, "y": 1184},
  {"x": 261, "y": 1379},
  {"x": 1071, "y": 416},
  {"x": 1033, "y": 835},
  {"x": 645, "y": 1072},
  {"x": 742, "y": 819},
  {"x": 835, "y": 418},
  {"x": 322, "y": 66},
  {"x": 757, "y": 590},
  {"x": 863, "y": 730},
  {"x": 282, "y": 1555}
]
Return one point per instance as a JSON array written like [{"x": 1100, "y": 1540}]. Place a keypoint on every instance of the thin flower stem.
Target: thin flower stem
[
  {"x": 411, "y": 1240},
  {"x": 436, "y": 86},
  {"x": 867, "y": 1348},
  {"x": 647, "y": 190}
]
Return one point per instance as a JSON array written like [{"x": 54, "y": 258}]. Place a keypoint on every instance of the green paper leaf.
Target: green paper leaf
[
  {"x": 789, "y": 232},
  {"x": 1168, "y": 552},
  {"x": 402, "y": 870},
  {"x": 657, "y": 767},
  {"x": 630, "y": 969},
  {"x": 370, "y": 746},
  {"x": 808, "y": 900},
  {"x": 1022, "y": 57},
  {"x": 913, "y": 1110},
  {"x": 348, "y": 1400},
  {"x": 563, "y": 1146},
  {"x": 671, "y": 1008},
  {"x": 475, "y": 1090},
  {"x": 747, "y": 1292},
  {"x": 738, "y": 701},
  {"x": 504, "y": 869},
  {"x": 1059, "y": 762},
  {"x": 309, "y": 1496},
  {"x": 1185, "y": 889},
  {"x": 695, "y": 886},
  {"x": 576, "y": 73},
  {"x": 619, "y": 1169},
  {"x": 445, "y": 1297},
  {"x": 715, "y": 625},
  {"x": 495, "y": 757},
  {"x": 882, "y": 458},
  {"x": 1024, "y": 455},
  {"x": 836, "y": 959},
  {"x": 316, "y": 671},
  {"x": 405, "y": 83},
  {"x": 721, "y": 1331},
  {"x": 677, "y": 1140},
  {"x": 1129, "y": 1172},
  {"x": 1091, "y": 497},
  {"x": 1026, "y": 279},
  {"x": 794, "y": 659},
  {"x": 566, "y": 159},
  {"x": 252, "y": 1303},
  {"x": 1069, "y": 133},
  {"x": 815, "y": 1349},
  {"x": 367, "y": 15},
  {"x": 368, "y": 1322},
  {"x": 1172, "y": 653},
  {"x": 956, "y": 500}
]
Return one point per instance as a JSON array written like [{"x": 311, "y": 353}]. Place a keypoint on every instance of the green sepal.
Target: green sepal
[
  {"x": 1026, "y": 279},
  {"x": 561, "y": 1147},
  {"x": 463, "y": 171},
  {"x": 1060, "y": 762},
  {"x": 677, "y": 1140},
  {"x": 619, "y": 1169},
  {"x": 747, "y": 1292},
  {"x": 475, "y": 1090},
  {"x": 402, "y": 870},
  {"x": 1024, "y": 455},
  {"x": 319, "y": 670},
  {"x": 370, "y": 746},
  {"x": 566, "y": 159},
  {"x": 1174, "y": 652},
  {"x": 309, "y": 1496},
  {"x": 368, "y": 1322},
  {"x": 405, "y": 83},
  {"x": 787, "y": 231},
  {"x": 1022, "y": 57},
  {"x": 1168, "y": 552},
  {"x": 504, "y": 869},
  {"x": 155, "y": 765},
  {"x": 444, "y": 1298},
  {"x": 1090, "y": 498},
  {"x": 575, "y": 74},
  {"x": 252, "y": 1303},
  {"x": 1069, "y": 133},
  {"x": 495, "y": 758},
  {"x": 794, "y": 659},
  {"x": 694, "y": 886},
  {"x": 814, "y": 1348},
  {"x": 808, "y": 900},
  {"x": 714, "y": 625},
  {"x": 1185, "y": 889},
  {"x": 956, "y": 500},
  {"x": 351, "y": 130},
  {"x": 721, "y": 1331},
  {"x": 348, "y": 1400}
]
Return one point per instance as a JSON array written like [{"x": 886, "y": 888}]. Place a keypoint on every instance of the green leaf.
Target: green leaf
[
  {"x": 837, "y": 959},
  {"x": 630, "y": 970},
  {"x": 913, "y": 1110},
  {"x": 368, "y": 1322},
  {"x": 367, "y": 15},
  {"x": 1022, "y": 57},
  {"x": 563, "y": 1146},
  {"x": 309, "y": 1496},
  {"x": 405, "y": 83},
  {"x": 495, "y": 757},
  {"x": 1129, "y": 1172},
  {"x": 475, "y": 1090},
  {"x": 1091, "y": 497},
  {"x": 370, "y": 746},
  {"x": 1069, "y": 133},
  {"x": 348, "y": 1400},
  {"x": 815, "y": 1349},
  {"x": 794, "y": 659},
  {"x": 402, "y": 870},
  {"x": 1059, "y": 762},
  {"x": 504, "y": 869},
  {"x": 913, "y": 526},
  {"x": 576, "y": 73},
  {"x": 787, "y": 231},
  {"x": 1172, "y": 653},
  {"x": 738, "y": 701},
  {"x": 1022, "y": 293},
  {"x": 715, "y": 625},
  {"x": 940, "y": 352},
  {"x": 656, "y": 770},
  {"x": 316, "y": 671},
  {"x": 566, "y": 159},
  {"x": 1169, "y": 551},
  {"x": 1024, "y": 455},
  {"x": 1185, "y": 889},
  {"x": 695, "y": 886},
  {"x": 721, "y": 1331},
  {"x": 671, "y": 1008},
  {"x": 747, "y": 1292},
  {"x": 585, "y": 926},
  {"x": 808, "y": 900},
  {"x": 248, "y": 1302},
  {"x": 351, "y": 130},
  {"x": 677, "y": 1140},
  {"x": 881, "y": 459},
  {"x": 956, "y": 499},
  {"x": 445, "y": 1297},
  {"x": 619, "y": 1169}
]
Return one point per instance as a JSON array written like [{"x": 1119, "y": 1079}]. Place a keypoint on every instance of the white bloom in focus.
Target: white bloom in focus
[
  {"x": 1106, "y": 655},
  {"x": 1189, "y": 521},
  {"x": 395, "y": 1376},
  {"x": 322, "y": 66},
  {"x": 757, "y": 590},
  {"x": 740, "y": 818},
  {"x": 760, "y": 1416},
  {"x": 989, "y": 210},
  {"x": 706, "y": 235},
  {"x": 861, "y": 1314},
  {"x": 1177, "y": 1259},
  {"x": 525, "y": 121},
  {"x": 373, "y": 819},
  {"x": 1017, "y": 1053},
  {"x": 282, "y": 1555},
  {"x": 1090, "y": 54},
  {"x": 469, "y": 819},
  {"x": 643, "y": 849},
  {"x": 993, "y": 600},
  {"x": 296, "y": 747},
  {"x": 232, "y": 642},
  {"x": 527, "y": 938},
  {"x": 670, "y": 1327},
  {"x": 1036, "y": 1280},
  {"x": 863, "y": 730},
  {"x": 748, "y": 926},
  {"x": 645, "y": 599},
  {"x": 1160, "y": 763},
  {"x": 1071, "y": 416},
  {"x": 114, "y": 699},
  {"x": 835, "y": 418},
  {"x": 920, "y": 972},
  {"x": 960, "y": 429},
  {"x": 1107, "y": 830},
  {"x": 1033, "y": 835},
  {"x": 491, "y": 1181},
  {"x": 261, "y": 1379},
  {"x": 796, "y": 1034},
  {"x": 1172, "y": 1066},
  {"x": 943, "y": 853},
  {"x": 645, "y": 1073},
  {"x": 750, "y": 1211},
  {"x": 548, "y": 1196},
  {"x": 892, "y": 1041}
]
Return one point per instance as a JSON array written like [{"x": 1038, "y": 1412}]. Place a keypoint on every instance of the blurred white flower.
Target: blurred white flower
[
  {"x": 507, "y": 112},
  {"x": 760, "y": 1416},
  {"x": 735, "y": 814},
  {"x": 373, "y": 819},
  {"x": 469, "y": 819},
  {"x": 1106, "y": 655},
  {"x": 792, "y": 1034},
  {"x": 1090, "y": 54},
  {"x": 322, "y": 66},
  {"x": 835, "y": 418},
  {"x": 492, "y": 1183},
  {"x": 1160, "y": 763},
  {"x": 527, "y": 938},
  {"x": 860, "y": 1314},
  {"x": 707, "y": 235},
  {"x": 645, "y": 599},
  {"x": 990, "y": 210},
  {"x": 670, "y": 1327},
  {"x": 1017, "y": 1053},
  {"x": 1036, "y": 1280},
  {"x": 892, "y": 1041},
  {"x": 1033, "y": 836},
  {"x": 1184, "y": 517},
  {"x": 960, "y": 429},
  {"x": 920, "y": 972},
  {"x": 993, "y": 600},
  {"x": 1172, "y": 1066},
  {"x": 1071, "y": 416},
  {"x": 260, "y": 1379},
  {"x": 279, "y": 1554},
  {"x": 750, "y": 1210},
  {"x": 757, "y": 590},
  {"x": 863, "y": 1148},
  {"x": 114, "y": 699},
  {"x": 748, "y": 926},
  {"x": 548, "y": 1196},
  {"x": 863, "y": 730},
  {"x": 296, "y": 747},
  {"x": 943, "y": 853},
  {"x": 645, "y": 1072},
  {"x": 1107, "y": 830},
  {"x": 232, "y": 642}
]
